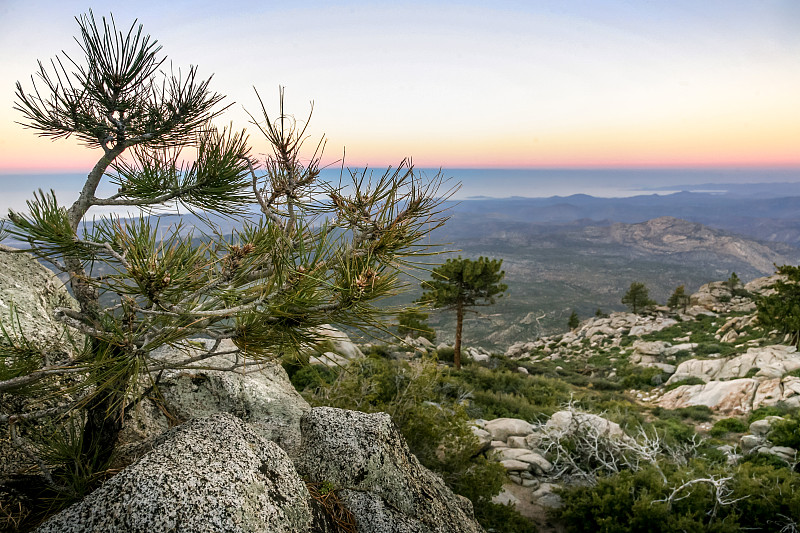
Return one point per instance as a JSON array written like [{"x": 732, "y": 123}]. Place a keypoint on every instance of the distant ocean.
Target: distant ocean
[{"x": 495, "y": 183}]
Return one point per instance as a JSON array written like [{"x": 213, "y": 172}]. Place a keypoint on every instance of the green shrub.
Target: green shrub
[
  {"x": 638, "y": 377},
  {"x": 674, "y": 431},
  {"x": 761, "y": 413},
  {"x": 691, "y": 380},
  {"x": 701, "y": 413},
  {"x": 763, "y": 459},
  {"x": 708, "y": 349},
  {"x": 488, "y": 404},
  {"x": 728, "y": 425},
  {"x": 786, "y": 432},
  {"x": 502, "y": 519},
  {"x": 445, "y": 354},
  {"x": 760, "y": 498},
  {"x": 312, "y": 376},
  {"x": 605, "y": 384}
]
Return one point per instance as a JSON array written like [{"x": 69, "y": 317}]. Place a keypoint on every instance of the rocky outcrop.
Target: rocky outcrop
[
  {"x": 606, "y": 332},
  {"x": 766, "y": 368},
  {"x": 503, "y": 428},
  {"x": 523, "y": 449},
  {"x": 759, "y": 362},
  {"x": 32, "y": 292},
  {"x": 730, "y": 397},
  {"x": 669, "y": 235},
  {"x": 261, "y": 395},
  {"x": 208, "y": 475},
  {"x": 757, "y": 440},
  {"x": 382, "y": 484},
  {"x": 219, "y": 474}
]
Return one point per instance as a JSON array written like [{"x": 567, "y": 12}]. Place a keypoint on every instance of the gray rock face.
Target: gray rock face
[
  {"x": 208, "y": 475},
  {"x": 263, "y": 397},
  {"x": 502, "y": 428},
  {"x": 334, "y": 349},
  {"x": 564, "y": 423},
  {"x": 33, "y": 292},
  {"x": 366, "y": 455}
]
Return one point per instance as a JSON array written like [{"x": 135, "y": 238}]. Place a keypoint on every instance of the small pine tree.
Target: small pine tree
[
  {"x": 679, "y": 299},
  {"x": 413, "y": 322},
  {"x": 574, "y": 321},
  {"x": 638, "y": 297},
  {"x": 781, "y": 310},
  {"x": 733, "y": 281},
  {"x": 266, "y": 288},
  {"x": 460, "y": 284}
]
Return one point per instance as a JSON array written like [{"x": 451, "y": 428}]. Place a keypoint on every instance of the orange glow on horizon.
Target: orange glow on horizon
[{"x": 668, "y": 146}]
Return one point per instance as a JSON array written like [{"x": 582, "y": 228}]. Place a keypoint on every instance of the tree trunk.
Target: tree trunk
[
  {"x": 459, "y": 325},
  {"x": 102, "y": 428},
  {"x": 104, "y": 411}
]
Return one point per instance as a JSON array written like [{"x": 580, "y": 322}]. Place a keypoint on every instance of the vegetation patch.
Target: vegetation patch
[
  {"x": 728, "y": 425},
  {"x": 691, "y": 380}
]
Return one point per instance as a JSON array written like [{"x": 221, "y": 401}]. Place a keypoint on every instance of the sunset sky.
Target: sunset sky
[{"x": 464, "y": 84}]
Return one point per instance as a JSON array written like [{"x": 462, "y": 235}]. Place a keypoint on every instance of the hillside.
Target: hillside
[
  {"x": 625, "y": 416},
  {"x": 668, "y": 420},
  {"x": 554, "y": 269}
]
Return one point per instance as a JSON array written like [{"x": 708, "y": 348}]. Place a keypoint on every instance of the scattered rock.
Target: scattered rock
[
  {"x": 762, "y": 427},
  {"x": 502, "y": 428}
]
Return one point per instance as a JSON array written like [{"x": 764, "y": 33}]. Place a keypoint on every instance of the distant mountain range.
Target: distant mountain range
[
  {"x": 773, "y": 219},
  {"x": 580, "y": 252}
]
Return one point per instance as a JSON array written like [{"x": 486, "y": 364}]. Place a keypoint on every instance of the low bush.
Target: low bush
[
  {"x": 497, "y": 518},
  {"x": 786, "y": 432},
  {"x": 674, "y": 431},
  {"x": 761, "y": 413},
  {"x": 312, "y": 376},
  {"x": 763, "y": 459},
  {"x": 638, "y": 377},
  {"x": 697, "y": 498},
  {"x": 708, "y": 349},
  {"x": 445, "y": 354},
  {"x": 728, "y": 425},
  {"x": 701, "y": 413},
  {"x": 691, "y": 380}
]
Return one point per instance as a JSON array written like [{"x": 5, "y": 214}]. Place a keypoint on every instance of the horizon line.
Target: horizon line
[{"x": 728, "y": 167}]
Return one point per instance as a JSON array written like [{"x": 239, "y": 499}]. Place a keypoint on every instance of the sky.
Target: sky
[{"x": 502, "y": 84}]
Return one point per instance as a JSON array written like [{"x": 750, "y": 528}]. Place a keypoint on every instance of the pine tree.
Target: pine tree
[
  {"x": 314, "y": 254},
  {"x": 413, "y": 322},
  {"x": 574, "y": 321},
  {"x": 679, "y": 299},
  {"x": 781, "y": 310},
  {"x": 460, "y": 284},
  {"x": 733, "y": 282},
  {"x": 638, "y": 297}
]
